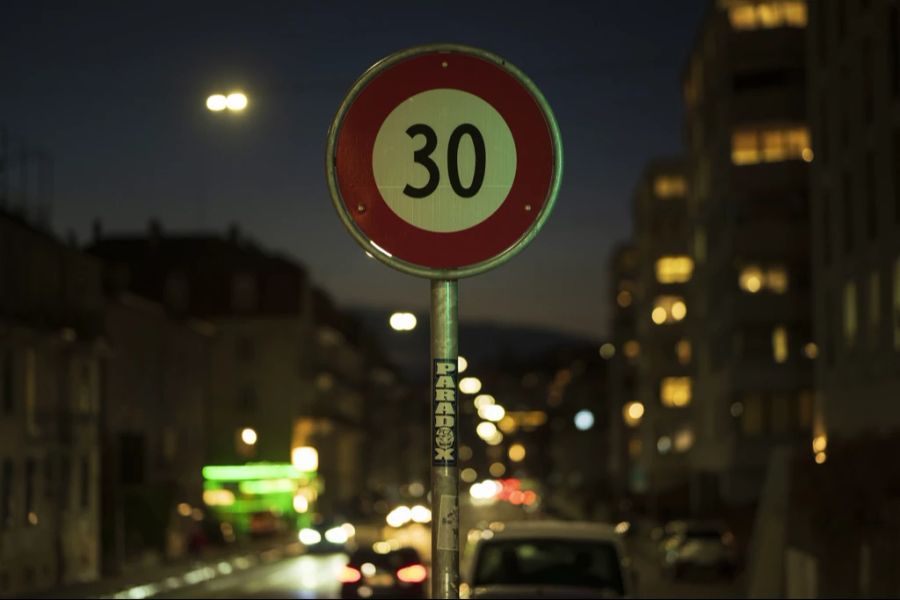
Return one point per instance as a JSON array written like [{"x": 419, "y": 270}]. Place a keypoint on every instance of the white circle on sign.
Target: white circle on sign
[{"x": 417, "y": 180}]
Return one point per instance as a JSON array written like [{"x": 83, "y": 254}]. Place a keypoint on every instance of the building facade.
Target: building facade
[
  {"x": 153, "y": 430},
  {"x": 854, "y": 97},
  {"x": 52, "y": 359},
  {"x": 624, "y": 413},
  {"x": 284, "y": 370},
  {"x": 661, "y": 346},
  {"x": 748, "y": 149}
]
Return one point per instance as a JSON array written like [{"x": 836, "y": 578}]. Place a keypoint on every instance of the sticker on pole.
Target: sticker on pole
[
  {"x": 444, "y": 161},
  {"x": 445, "y": 425}
]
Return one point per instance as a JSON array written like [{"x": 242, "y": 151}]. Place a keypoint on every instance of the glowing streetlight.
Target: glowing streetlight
[
  {"x": 217, "y": 102},
  {"x": 248, "y": 436},
  {"x": 305, "y": 458},
  {"x": 470, "y": 385},
  {"x": 403, "y": 321},
  {"x": 492, "y": 412},
  {"x": 486, "y": 430},
  {"x": 236, "y": 101},
  {"x": 584, "y": 420},
  {"x": 516, "y": 453},
  {"x": 632, "y": 413}
]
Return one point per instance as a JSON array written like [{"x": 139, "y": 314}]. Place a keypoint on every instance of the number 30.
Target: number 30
[{"x": 423, "y": 157}]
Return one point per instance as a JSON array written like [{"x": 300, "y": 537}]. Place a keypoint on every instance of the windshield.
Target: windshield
[{"x": 549, "y": 562}]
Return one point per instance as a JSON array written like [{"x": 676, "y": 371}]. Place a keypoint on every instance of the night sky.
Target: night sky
[{"x": 116, "y": 93}]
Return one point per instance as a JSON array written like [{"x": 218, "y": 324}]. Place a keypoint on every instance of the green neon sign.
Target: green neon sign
[
  {"x": 268, "y": 486},
  {"x": 253, "y": 471}
]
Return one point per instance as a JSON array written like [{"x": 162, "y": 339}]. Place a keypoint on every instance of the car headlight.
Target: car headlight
[{"x": 310, "y": 537}]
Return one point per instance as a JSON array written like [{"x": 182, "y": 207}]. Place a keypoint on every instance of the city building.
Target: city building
[
  {"x": 853, "y": 70},
  {"x": 153, "y": 434},
  {"x": 624, "y": 412},
  {"x": 286, "y": 372},
  {"x": 749, "y": 298},
  {"x": 52, "y": 360},
  {"x": 661, "y": 346}
]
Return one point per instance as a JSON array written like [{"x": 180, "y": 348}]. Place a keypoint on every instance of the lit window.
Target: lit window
[
  {"x": 777, "y": 279},
  {"x": 751, "y": 279},
  {"x": 675, "y": 391},
  {"x": 774, "y": 146},
  {"x": 767, "y": 15},
  {"x": 632, "y": 413},
  {"x": 850, "y": 314},
  {"x": 668, "y": 309},
  {"x": 631, "y": 349},
  {"x": 744, "y": 148},
  {"x": 684, "y": 439},
  {"x": 624, "y": 299},
  {"x": 670, "y": 186},
  {"x": 674, "y": 269},
  {"x": 683, "y": 351},
  {"x": 770, "y": 144},
  {"x": 780, "y": 344}
]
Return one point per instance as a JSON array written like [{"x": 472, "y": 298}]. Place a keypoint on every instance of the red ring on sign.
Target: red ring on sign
[{"x": 355, "y": 144}]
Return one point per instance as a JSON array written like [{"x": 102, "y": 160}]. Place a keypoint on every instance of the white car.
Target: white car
[{"x": 549, "y": 559}]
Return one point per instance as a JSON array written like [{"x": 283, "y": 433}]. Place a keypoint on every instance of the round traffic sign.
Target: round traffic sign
[{"x": 443, "y": 161}]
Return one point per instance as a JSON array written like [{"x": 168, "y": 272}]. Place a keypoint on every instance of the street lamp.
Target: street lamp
[
  {"x": 234, "y": 102},
  {"x": 248, "y": 436}
]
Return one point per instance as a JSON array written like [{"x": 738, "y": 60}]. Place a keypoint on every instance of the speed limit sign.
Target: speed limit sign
[{"x": 443, "y": 161}]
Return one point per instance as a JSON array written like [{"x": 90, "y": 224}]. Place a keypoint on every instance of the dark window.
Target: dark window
[
  {"x": 85, "y": 482},
  {"x": 48, "y": 478},
  {"x": 895, "y": 49},
  {"x": 848, "y": 212},
  {"x": 871, "y": 198},
  {"x": 896, "y": 151},
  {"x": 247, "y": 399},
  {"x": 245, "y": 350},
  {"x": 827, "y": 329},
  {"x": 131, "y": 455},
  {"x": 769, "y": 78},
  {"x": 30, "y": 469},
  {"x": 6, "y": 493},
  {"x": 826, "y": 229},
  {"x": 841, "y": 19},
  {"x": 65, "y": 482},
  {"x": 821, "y": 11},
  {"x": 8, "y": 386},
  {"x": 868, "y": 85}
]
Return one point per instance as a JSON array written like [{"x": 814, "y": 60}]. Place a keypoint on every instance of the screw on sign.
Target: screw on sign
[{"x": 444, "y": 161}]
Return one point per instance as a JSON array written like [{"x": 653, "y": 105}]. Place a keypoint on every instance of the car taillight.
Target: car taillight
[
  {"x": 412, "y": 574},
  {"x": 349, "y": 575}
]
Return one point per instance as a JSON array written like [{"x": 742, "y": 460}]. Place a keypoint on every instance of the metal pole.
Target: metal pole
[{"x": 444, "y": 441}]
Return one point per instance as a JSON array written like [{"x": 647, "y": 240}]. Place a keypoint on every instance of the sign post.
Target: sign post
[{"x": 443, "y": 162}]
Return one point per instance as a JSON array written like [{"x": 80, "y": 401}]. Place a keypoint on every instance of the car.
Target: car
[
  {"x": 399, "y": 573},
  {"x": 550, "y": 559},
  {"x": 327, "y": 538},
  {"x": 697, "y": 546}
]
